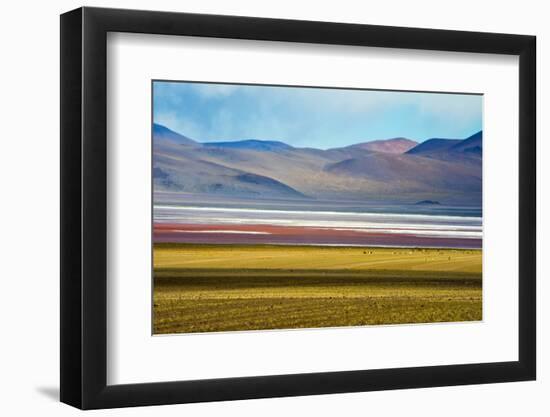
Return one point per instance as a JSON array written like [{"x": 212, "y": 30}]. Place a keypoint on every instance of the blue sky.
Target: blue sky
[{"x": 311, "y": 117}]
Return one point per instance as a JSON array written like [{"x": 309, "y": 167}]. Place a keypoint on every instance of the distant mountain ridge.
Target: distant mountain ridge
[
  {"x": 393, "y": 170},
  {"x": 447, "y": 149},
  {"x": 259, "y": 145},
  {"x": 473, "y": 144},
  {"x": 433, "y": 145},
  {"x": 163, "y": 133},
  {"x": 396, "y": 145}
]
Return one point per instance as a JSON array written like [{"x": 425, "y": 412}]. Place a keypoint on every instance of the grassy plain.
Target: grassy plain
[{"x": 204, "y": 288}]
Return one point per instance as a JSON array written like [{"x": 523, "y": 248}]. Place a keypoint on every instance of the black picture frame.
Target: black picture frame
[{"x": 84, "y": 207}]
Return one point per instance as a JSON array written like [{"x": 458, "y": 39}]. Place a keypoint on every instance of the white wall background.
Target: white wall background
[{"x": 29, "y": 225}]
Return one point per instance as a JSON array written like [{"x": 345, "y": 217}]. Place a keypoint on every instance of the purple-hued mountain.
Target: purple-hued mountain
[
  {"x": 472, "y": 145},
  {"x": 433, "y": 145},
  {"x": 396, "y": 145},
  {"x": 253, "y": 144},
  {"x": 450, "y": 149},
  {"x": 161, "y": 133},
  {"x": 395, "y": 170}
]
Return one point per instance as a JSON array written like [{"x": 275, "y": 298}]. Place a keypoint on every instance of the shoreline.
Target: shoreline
[
  {"x": 252, "y": 234},
  {"x": 311, "y": 245}
]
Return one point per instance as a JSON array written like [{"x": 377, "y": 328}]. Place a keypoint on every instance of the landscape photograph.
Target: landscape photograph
[{"x": 288, "y": 207}]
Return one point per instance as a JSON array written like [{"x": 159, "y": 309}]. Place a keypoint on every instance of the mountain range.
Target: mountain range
[{"x": 396, "y": 170}]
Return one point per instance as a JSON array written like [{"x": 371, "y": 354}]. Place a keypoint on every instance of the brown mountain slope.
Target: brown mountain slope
[{"x": 426, "y": 174}]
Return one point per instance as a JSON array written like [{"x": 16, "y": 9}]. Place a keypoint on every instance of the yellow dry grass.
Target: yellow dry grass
[{"x": 201, "y": 288}]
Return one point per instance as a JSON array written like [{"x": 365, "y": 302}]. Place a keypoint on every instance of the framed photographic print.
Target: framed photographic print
[{"x": 258, "y": 207}]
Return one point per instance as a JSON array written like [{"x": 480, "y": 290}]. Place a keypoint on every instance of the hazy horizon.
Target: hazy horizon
[
  {"x": 321, "y": 118},
  {"x": 222, "y": 140}
]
